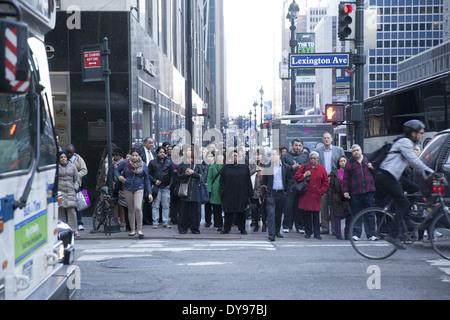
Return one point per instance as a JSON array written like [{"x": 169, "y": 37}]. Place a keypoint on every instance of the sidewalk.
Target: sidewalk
[{"x": 164, "y": 233}]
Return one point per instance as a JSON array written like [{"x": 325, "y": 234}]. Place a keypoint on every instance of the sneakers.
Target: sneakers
[
  {"x": 77, "y": 234},
  {"x": 80, "y": 227},
  {"x": 373, "y": 238},
  {"x": 396, "y": 243},
  {"x": 355, "y": 238}
]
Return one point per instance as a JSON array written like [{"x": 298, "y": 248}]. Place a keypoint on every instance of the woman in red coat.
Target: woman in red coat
[{"x": 310, "y": 201}]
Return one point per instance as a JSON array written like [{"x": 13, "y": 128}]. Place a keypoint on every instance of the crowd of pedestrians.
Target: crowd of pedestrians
[{"x": 170, "y": 185}]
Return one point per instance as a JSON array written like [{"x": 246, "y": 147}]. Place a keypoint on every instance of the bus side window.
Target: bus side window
[{"x": 48, "y": 144}]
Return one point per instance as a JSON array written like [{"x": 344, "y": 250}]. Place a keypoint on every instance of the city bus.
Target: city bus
[
  {"x": 427, "y": 100},
  {"x": 34, "y": 248},
  {"x": 308, "y": 128}
]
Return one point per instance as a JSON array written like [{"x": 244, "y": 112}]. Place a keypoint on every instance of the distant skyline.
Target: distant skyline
[{"x": 252, "y": 28}]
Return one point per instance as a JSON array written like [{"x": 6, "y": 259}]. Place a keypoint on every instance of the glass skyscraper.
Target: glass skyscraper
[{"x": 404, "y": 29}]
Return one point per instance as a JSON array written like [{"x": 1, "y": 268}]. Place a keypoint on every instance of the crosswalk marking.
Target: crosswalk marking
[
  {"x": 101, "y": 257},
  {"x": 443, "y": 265},
  {"x": 145, "y": 248}
]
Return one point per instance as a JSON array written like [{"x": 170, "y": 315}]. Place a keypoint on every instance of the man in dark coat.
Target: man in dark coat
[
  {"x": 236, "y": 190},
  {"x": 275, "y": 179}
]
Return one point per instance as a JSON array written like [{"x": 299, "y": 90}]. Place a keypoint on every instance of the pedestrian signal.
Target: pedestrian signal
[{"x": 334, "y": 113}]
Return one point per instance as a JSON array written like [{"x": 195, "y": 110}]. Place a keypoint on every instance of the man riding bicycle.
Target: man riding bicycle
[{"x": 388, "y": 177}]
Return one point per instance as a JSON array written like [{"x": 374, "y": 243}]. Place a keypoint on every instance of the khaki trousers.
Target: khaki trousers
[
  {"x": 70, "y": 217},
  {"x": 134, "y": 204}
]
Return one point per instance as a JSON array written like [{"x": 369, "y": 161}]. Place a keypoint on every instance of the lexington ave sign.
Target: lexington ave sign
[{"x": 319, "y": 60}]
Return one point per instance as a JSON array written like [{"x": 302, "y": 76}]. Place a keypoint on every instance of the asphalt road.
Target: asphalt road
[{"x": 292, "y": 268}]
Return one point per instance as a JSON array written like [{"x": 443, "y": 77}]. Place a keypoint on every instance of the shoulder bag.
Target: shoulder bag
[
  {"x": 184, "y": 187},
  {"x": 300, "y": 187}
]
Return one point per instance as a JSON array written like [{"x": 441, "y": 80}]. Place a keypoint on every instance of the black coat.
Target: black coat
[
  {"x": 235, "y": 187},
  {"x": 161, "y": 171},
  {"x": 339, "y": 205},
  {"x": 194, "y": 180}
]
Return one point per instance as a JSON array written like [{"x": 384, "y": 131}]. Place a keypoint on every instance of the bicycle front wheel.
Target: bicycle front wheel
[
  {"x": 376, "y": 222},
  {"x": 97, "y": 216},
  {"x": 439, "y": 233}
]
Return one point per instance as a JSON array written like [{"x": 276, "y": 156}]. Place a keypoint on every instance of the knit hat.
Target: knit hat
[{"x": 118, "y": 151}]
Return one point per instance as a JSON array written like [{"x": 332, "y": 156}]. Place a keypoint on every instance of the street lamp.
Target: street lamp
[
  {"x": 292, "y": 16},
  {"x": 261, "y": 92},
  {"x": 255, "y": 104},
  {"x": 250, "y": 127}
]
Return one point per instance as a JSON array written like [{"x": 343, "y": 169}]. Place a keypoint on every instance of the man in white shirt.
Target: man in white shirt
[{"x": 147, "y": 155}]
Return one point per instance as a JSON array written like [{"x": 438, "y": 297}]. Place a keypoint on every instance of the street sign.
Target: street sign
[
  {"x": 320, "y": 60},
  {"x": 91, "y": 63}
]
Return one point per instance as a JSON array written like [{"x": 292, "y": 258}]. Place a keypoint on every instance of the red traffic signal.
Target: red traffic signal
[
  {"x": 334, "y": 113},
  {"x": 348, "y": 9},
  {"x": 344, "y": 20}
]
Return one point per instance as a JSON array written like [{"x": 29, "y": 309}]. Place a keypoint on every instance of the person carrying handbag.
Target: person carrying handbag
[
  {"x": 310, "y": 201},
  {"x": 190, "y": 173}
]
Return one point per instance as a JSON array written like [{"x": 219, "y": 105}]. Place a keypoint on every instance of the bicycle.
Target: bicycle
[
  {"x": 434, "y": 217},
  {"x": 103, "y": 213}
]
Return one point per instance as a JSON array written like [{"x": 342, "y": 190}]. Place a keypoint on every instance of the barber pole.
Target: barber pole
[{"x": 11, "y": 61}]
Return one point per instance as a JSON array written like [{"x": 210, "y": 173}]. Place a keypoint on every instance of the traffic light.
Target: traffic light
[
  {"x": 344, "y": 20},
  {"x": 335, "y": 113}
]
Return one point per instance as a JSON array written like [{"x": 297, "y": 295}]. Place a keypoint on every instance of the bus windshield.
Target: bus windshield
[{"x": 15, "y": 133}]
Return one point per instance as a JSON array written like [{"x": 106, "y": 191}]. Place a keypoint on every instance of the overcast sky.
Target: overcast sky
[{"x": 250, "y": 28}]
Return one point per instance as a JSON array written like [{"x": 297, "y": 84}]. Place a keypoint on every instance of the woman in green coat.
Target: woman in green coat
[{"x": 213, "y": 182}]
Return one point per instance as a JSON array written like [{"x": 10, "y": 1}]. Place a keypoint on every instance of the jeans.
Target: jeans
[
  {"x": 359, "y": 202},
  {"x": 274, "y": 205},
  {"x": 163, "y": 198}
]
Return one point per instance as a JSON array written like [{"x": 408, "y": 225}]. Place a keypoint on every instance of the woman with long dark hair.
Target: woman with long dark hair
[
  {"x": 68, "y": 185},
  {"x": 135, "y": 179}
]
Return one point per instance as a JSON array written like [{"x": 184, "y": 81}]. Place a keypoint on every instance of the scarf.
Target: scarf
[{"x": 135, "y": 167}]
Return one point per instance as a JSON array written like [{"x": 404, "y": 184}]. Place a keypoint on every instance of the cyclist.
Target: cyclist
[{"x": 388, "y": 177}]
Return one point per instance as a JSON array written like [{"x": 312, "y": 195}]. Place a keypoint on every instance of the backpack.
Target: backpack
[{"x": 377, "y": 157}]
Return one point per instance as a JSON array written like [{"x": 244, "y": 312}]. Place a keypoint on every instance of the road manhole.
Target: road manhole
[{"x": 138, "y": 262}]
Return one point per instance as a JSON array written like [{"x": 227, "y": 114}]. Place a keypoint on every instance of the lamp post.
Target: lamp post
[
  {"x": 292, "y": 16},
  {"x": 261, "y": 92},
  {"x": 255, "y": 104},
  {"x": 250, "y": 126}
]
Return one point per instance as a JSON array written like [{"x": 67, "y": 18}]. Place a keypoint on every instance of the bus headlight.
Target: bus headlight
[{"x": 58, "y": 249}]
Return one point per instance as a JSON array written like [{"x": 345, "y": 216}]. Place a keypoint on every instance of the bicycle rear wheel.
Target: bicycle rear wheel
[
  {"x": 439, "y": 233},
  {"x": 369, "y": 248}
]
